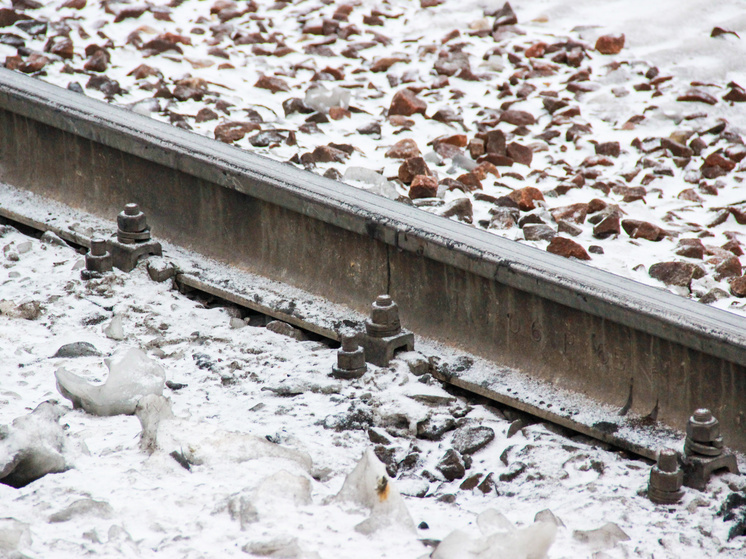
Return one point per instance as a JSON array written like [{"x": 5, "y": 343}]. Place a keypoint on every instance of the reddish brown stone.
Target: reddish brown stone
[
  {"x": 61, "y": 46},
  {"x": 536, "y": 50},
  {"x": 406, "y": 103},
  {"x": 98, "y": 62},
  {"x": 412, "y": 167},
  {"x": 728, "y": 268},
  {"x": 597, "y": 160},
  {"x": 676, "y": 273},
  {"x": 736, "y": 94},
  {"x": 607, "y": 227},
  {"x": 697, "y": 95},
  {"x": 386, "y": 62},
  {"x": 329, "y": 154},
  {"x": 230, "y": 132},
  {"x": 476, "y": 148},
  {"x": 504, "y": 16},
  {"x": 677, "y": 149},
  {"x": 596, "y": 205},
  {"x": 338, "y": 113},
  {"x": 525, "y": 197},
  {"x": 611, "y": 149},
  {"x": 205, "y": 114},
  {"x": 575, "y": 213},
  {"x": 494, "y": 142},
  {"x": 8, "y": 17},
  {"x": 517, "y": 118},
  {"x": 610, "y": 44},
  {"x": 34, "y": 63},
  {"x": 717, "y": 160},
  {"x": 520, "y": 153},
  {"x": 734, "y": 247},
  {"x": 645, "y": 230},
  {"x": 567, "y": 248},
  {"x": 496, "y": 159},
  {"x": 272, "y": 84},
  {"x": 485, "y": 168},
  {"x": 75, "y": 4},
  {"x": 691, "y": 248},
  {"x": 690, "y": 195},
  {"x": 460, "y": 208},
  {"x": 470, "y": 181},
  {"x": 458, "y": 140},
  {"x": 423, "y": 186},
  {"x": 738, "y": 287},
  {"x": 403, "y": 149},
  {"x": 144, "y": 71}
]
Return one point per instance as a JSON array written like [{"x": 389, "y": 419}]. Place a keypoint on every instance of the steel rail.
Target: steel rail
[{"x": 582, "y": 329}]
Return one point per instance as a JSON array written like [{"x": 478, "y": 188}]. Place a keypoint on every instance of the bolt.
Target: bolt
[
  {"x": 668, "y": 460},
  {"x": 131, "y": 209},
  {"x": 384, "y": 318},
  {"x": 98, "y": 247},
  {"x": 349, "y": 344},
  {"x": 384, "y": 301},
  {"x": 703, "y": 427}
]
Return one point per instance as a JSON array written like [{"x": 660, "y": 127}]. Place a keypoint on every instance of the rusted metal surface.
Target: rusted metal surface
[{"x": 621, "y": 343}]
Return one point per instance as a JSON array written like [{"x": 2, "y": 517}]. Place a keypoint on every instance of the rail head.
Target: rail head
[{"x": 576, "y": 285}]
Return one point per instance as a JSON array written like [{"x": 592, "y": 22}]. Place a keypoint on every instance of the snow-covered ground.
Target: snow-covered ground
[
  {"x": 206, "y": 66},
  {"x": 234, "y": 389}
]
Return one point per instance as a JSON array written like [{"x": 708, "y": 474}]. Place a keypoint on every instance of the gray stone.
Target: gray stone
[
  {"x": 77, "y": 349},
  {"x": 433, "y": 429},
  {"x": 451, "y": 466},
  {"x": 538, "y": 232},
  {"x": 469, "y": 440},
  {"x": 283, "y": 328}
]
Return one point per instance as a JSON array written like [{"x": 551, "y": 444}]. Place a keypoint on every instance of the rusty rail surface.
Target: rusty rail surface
[{"x": 561, "y": 323}]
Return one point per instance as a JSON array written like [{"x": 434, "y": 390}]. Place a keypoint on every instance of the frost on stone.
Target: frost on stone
[
  {"x": 83, "y": 507},
  {"x": 499, "y": 539},
  {"x": 32, "y": 446},
  {"x": 369, "y": 486},
  {"x": 201, "y": 443},
  {"x": 321, "y": 99},
  {"x": 132, "y": 375},
  {"x": 605, "y": 537},
  {"x": 370, "y": 180},
  {"x": 14, "y": 536}
]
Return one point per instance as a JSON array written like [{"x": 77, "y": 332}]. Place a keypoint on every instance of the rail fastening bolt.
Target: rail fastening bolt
[
  {"x": 384, "y": 318},
  {"x": 703, "y": 427},
  {"x": 350, "y": 360},
  {"x": 666, "y": 479},
  {"x": 98, "y": 247}
]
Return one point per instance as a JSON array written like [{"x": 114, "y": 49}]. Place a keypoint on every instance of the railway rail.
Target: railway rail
[{"x": 584, "y": 348}]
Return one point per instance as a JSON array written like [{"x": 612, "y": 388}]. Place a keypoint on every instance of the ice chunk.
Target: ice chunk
[
  {"x": 321, "y": 99},
  {"x": 499, "y": 540},
  {"x": 369, "y": 180},
  {"x": 32, "y": 446},
  {"x": 115, "y": 331},
  {"x": 286, "y": 547},
  {"x": 200, "y": 443},
  {"x": 283, "y": 486},
  {"x": 132, "y": 375},
  {"x": 14, "y": 535},
  {"x": 370, "y": 487},
  {"x": 605, "y": 537}
]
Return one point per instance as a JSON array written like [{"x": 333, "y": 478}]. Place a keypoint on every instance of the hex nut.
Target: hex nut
[
  {"x": 703, "y": 427},
  {"x": 666, "y": 481},
  {"x": 132, "y": 220},
  {"x": 384, "y": 318}
]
